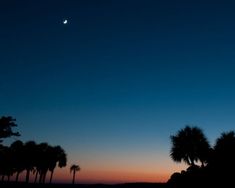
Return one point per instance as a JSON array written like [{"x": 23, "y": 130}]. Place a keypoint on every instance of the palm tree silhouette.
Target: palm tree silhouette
[
  {"x": 17, "y": 149},
  {"x": 190, "y": 145},
  {"x": 5, "y": 162},
  {"x": 73, "y": 169},
  {"x": 225, "y": 150},
  {"x": 44, "y": 161},
  {"x": 29, "y": 157},
  {"x": 57, "y": 155}
]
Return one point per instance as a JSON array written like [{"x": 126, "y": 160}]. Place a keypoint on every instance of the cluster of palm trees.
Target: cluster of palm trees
[
  {"x": 30, "y": 157},
  {"x": 191, "y": 146}
]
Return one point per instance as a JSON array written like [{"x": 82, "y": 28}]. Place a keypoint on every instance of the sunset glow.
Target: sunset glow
[{"x": 110, "y": 81}]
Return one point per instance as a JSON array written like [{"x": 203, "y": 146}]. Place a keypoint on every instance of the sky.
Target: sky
[{"x": 117, "y": 80}]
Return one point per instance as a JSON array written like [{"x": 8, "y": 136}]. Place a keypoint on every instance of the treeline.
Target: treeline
[
  {"x": 208, "y": 165},
  {"x": 30, "y": 157}
]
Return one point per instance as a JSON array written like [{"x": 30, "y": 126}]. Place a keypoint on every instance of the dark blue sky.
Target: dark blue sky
[{"x": 121, "y": 76}]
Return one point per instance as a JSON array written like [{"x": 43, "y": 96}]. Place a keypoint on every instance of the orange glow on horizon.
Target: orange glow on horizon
[
  {"x": 113, "y": 172},
  {"x": 112, "y": 177},
  {"x": 91, "y": 176},
  {"x": 106, "y": 176}
]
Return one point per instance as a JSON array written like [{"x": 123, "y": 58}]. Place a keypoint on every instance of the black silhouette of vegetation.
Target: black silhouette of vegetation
[
  {"x": 73, "y": 169},
  {"x": 190, "y": 145},
  {"x": 217, "y": 162},
  {"x": 30, "y": 156},
  {"x": 6, "y": 124},
  {"x": 208, "y": 165}
]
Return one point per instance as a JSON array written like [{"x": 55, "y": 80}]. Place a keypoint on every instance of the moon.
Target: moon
[{"x": 65, "y": 21}]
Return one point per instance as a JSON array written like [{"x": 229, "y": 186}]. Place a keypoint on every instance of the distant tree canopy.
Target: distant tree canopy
[{"x": 6, "y": 125}]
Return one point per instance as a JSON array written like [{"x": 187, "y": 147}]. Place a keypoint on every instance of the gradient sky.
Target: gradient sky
[{"x": 113, "y": 84}]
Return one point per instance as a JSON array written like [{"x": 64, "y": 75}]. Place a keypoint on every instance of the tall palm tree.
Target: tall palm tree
[
  {"x": 57, "y": 156},
  {"x": 189, "y": 145},
  {"x": 17, "y": 148},
  {"x": 29, "y": 158},
  {"x": 6, "y": 168},
  {"x": 44, "y": 161},
  {"x": 73, "y": 169}
]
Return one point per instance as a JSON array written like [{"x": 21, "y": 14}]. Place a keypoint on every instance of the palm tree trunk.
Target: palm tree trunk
[
  {"x": 27, "y": 176},
  {"x": 36, "y": 177},
  {"x": 192, "y": 161},
  {"x": 40, "y": 177},
  {"x": 203, "y": 165},
  {"x": 44, "y": 177},
  {"x": 52, "y": 172},
  {"x": 74, "y": 176},
  {"x": 193, "y": 164},
  {"x": 17, "y": 176}
]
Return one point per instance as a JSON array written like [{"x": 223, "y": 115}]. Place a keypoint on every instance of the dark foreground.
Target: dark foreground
[{"x": 127, "y": 185}]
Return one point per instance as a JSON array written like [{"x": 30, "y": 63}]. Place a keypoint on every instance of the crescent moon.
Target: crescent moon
[{"x": 65, "y": 22}]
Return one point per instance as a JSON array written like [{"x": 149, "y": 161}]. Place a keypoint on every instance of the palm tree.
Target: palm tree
[
  {"x": 5, "y": 162},
  {"x": 73, "y": 169},
  {"x": 225, "y": 150},
  {"x": 222, "y": 164},
  {"x": 44, "y": 161},
  {"x": 17, "y": 157},
  {"x": 57, "y": 155},
  {"x": 29, "y": 157},
  {"x": 190, "y": 145}
]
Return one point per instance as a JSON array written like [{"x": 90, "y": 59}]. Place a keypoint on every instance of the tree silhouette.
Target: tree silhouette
[
  {"x": 57, "y": 156},
  {"x": 189, "y": 145},
  {"x": 73, "y": 169},
  {"x": 37, "y": 162},
  {"x": 6, "y": 124},
  {"x": 17, "y": 149},
  {"x": 44, "y": 161},
  {"x": 224, "y": 152},
  {"x": 29, "y": 158},
  {"x": 5, "y": 162}
]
